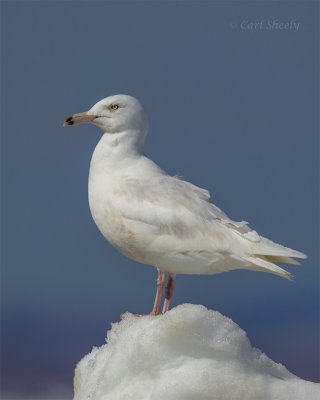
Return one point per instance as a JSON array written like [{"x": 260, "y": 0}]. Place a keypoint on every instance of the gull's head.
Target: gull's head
[{"x": 114, "y": 114}]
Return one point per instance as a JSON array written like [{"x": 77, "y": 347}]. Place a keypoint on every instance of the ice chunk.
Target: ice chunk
[{"x": 189, "y": 353}]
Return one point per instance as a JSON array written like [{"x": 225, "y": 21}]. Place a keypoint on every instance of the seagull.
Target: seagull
[{"x": 162, "y": 220}]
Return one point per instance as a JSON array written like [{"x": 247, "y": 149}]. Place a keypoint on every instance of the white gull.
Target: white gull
[{"x": 162, "y": 220}]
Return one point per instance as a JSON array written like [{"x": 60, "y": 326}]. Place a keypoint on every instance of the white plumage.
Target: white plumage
[{"x": 162, "y": 220}]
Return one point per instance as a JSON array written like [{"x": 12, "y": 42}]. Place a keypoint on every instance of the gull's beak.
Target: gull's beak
[{"x": 80, "y": 118}]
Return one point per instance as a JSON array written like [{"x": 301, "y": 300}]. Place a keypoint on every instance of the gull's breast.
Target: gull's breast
[{"x": 122, "y": 234}]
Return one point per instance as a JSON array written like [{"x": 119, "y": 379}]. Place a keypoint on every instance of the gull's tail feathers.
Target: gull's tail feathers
[
  {"x": 260, "y": 263},
  {"x": 274, "y": 251},
  {"x": 279, "y": 259},
  {"x": 265, "y": 253}
]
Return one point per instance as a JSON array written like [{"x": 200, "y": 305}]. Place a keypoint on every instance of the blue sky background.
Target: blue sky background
[{"x": 232, "y": 109}]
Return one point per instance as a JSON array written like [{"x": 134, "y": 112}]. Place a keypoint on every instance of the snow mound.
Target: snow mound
[{"x": 189, "y": 353}]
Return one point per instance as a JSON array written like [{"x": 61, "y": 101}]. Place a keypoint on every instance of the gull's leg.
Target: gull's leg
[
  {"x": 160, "y": 286},
  {"x": 169, "y": 293}
]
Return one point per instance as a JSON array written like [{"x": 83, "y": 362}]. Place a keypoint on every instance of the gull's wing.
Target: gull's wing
[
  {"x": 171, "y": 222},
  {"x": 168, "y": 202},
  {"x": 179, "y": 208}
]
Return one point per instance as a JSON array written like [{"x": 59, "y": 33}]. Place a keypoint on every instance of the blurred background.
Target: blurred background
[{"x": 231, "y": 90}]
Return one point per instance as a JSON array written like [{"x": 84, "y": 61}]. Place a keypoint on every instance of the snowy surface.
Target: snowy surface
[{"x": 189, "y": 353}]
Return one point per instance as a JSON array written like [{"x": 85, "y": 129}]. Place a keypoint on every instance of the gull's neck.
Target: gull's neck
[{"x": 117, "y": 148}]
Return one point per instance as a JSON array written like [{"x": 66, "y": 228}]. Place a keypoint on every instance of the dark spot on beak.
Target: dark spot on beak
[{"x": 68, "y": 121}]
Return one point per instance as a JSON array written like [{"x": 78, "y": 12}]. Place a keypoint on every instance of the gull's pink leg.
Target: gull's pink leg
[
  {"x": 160, "y": 286},
  {"x": 169, "y": 293}
]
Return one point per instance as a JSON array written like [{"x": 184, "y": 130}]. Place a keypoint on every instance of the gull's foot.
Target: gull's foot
[
  {"x": 153, "y": 313},
  {"x": 144, "y": 315},
  {"x": 123, "y": 316}
]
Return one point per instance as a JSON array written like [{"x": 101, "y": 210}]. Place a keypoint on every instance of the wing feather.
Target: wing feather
[{"x": 179, "y": 208}]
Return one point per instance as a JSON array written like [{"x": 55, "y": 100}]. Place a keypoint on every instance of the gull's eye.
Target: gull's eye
[{"x": 114, "y": 106}]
